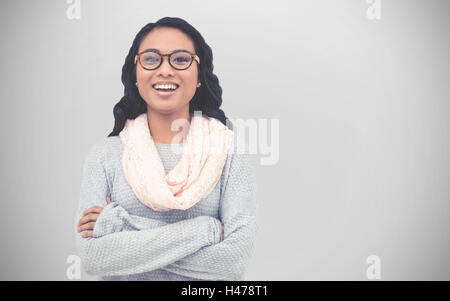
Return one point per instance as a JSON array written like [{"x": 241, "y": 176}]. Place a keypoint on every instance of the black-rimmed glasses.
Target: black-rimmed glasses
[{"x": 151, "y": 59}]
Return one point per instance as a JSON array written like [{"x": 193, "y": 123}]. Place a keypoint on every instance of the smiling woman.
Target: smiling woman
[
  {"x": 153, "y": 59},
  {"x": 155, "y": 70},
  {"x": 147, "y": 212}
]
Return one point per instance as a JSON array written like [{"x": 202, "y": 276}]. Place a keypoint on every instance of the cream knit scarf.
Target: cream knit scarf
[{"x": 193, "y": 178}]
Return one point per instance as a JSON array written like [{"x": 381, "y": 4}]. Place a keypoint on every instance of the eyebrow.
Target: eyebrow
[{"x": 157, "y": 50}]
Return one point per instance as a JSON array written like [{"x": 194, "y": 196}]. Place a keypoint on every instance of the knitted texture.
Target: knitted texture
[
  {"x": 194, "y": 177},
  {"x": 134, "y": 242}
]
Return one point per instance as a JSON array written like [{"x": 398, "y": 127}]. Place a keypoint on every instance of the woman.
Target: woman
[{"x": 148, "y": 211}]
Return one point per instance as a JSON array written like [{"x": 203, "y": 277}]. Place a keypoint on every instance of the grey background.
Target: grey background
[{"x": 364, "y": 117}]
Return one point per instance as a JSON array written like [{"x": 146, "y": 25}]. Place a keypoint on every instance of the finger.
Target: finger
[
  {"x": 97, "y": 209},
  {"x": 86, "y": 218},
  {"x": 91, "y": 217},
  {"x": 87, "y": 234},
  {"x": 108, "y": 200},
  {"x": 87, "y": 226},
  {"x": 93, "y": 210}
]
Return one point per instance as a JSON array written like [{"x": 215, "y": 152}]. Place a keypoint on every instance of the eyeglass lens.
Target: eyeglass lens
[{"x": 178, "y": 60}]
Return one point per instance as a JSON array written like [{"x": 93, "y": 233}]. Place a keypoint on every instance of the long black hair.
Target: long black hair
[{"x": 207, "y": 98}]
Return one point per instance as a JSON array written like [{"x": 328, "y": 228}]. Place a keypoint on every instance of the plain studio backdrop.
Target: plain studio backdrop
[{"x": 362, "y": 104}]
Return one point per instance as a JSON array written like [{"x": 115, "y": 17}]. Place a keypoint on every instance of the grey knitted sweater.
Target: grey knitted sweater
[{"x": 134, "y": 242}]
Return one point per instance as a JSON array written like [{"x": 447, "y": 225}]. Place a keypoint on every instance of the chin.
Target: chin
[{"x": 165, "y": 108}]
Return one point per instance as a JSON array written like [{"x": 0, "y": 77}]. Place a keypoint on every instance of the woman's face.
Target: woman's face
[{"x": 166, "y": 40}]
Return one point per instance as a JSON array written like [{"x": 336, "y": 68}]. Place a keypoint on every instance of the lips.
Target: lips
[
  {"x": 166, "y": 83},
  {"x": 165, "y": 93}
]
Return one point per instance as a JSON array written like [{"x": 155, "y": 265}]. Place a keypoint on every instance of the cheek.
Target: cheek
[
  {"x": 142, "y": 76},
  {"x": 139, "y": 76},
  {"x": 190, "y": 84},
  {"x": 191, "y": 79}
]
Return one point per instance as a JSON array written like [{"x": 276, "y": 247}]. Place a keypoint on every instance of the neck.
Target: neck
[{"x": 160, "y": 126}]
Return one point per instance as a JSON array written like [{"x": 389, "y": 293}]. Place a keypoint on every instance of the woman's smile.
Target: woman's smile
[{"x": 165, "y": 89}]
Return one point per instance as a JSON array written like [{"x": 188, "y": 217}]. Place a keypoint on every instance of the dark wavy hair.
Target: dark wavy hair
[{"x": 207, "y": 98}]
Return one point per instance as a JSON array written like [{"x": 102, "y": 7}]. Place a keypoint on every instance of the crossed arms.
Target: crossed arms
[{"x": 128, "y": 244}]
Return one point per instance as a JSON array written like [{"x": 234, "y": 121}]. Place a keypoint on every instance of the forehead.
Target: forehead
[{"x": 166, "y": 39}]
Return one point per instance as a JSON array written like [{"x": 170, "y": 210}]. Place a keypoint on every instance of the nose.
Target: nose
[{"x": 165, "y": 69}]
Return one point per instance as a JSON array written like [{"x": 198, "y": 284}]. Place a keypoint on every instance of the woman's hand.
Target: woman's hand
[{"x": 87, "y": 221}]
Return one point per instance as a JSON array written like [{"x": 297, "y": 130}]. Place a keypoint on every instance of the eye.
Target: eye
[
  {"x": 181, "y": 59},
  {"x": 151, "y": 59}
]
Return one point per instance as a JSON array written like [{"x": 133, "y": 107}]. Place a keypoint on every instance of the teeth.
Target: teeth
[{"x": 166, "y": 87}]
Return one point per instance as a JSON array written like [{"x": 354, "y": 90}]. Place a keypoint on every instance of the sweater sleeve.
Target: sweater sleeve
[
  {"x": 114, "y": 218},
  {"x": 228, "y": 259},
  {"x": 132, "y": 252}
]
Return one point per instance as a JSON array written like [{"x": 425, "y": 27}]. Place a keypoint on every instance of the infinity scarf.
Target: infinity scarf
[{"x": 193, "y": 178}]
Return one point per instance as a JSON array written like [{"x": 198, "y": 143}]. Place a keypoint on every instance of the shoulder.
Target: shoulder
[
  {"x": 104, "y": 149},
  {"x": 105, "y": 144},
  {"x": 242, "y": 149},
  {"x": 242, "y": 156},
  {"x": 239, "y": 174}
]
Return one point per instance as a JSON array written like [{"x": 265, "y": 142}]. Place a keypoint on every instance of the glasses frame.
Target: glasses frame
[{"x": 137, "y": 58}]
